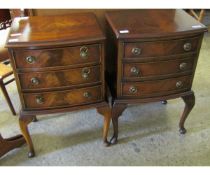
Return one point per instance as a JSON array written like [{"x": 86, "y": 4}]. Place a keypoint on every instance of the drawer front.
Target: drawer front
[
  {"x": 156, "y": 88},
  {"x": 155, "y": 69},
  {"x": 161, "y": 48},
  {"x": 61, "y": 78},
  {"x": 62, "y": 98},
  {"x": 57, "y": 57}
]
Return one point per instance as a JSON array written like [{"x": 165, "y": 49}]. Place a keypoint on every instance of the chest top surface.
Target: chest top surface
[
  {"x": 54, "y": 30},
  {"x": 152, "y": 23}
]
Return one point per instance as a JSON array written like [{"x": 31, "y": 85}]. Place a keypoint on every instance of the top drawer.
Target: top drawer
[
  {"x": 57, "y": 57},
  {"x": 161, "y": 48}
]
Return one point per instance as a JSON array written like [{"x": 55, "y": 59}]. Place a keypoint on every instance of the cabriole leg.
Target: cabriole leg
[
  {"x": 23, "y": 122},
  {"x": 106, "y": 112},
  {"x": 117, "y": 111},
  {"x": 189, "y": 101}
]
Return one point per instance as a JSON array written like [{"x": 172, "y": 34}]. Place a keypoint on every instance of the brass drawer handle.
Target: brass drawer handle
[
  {"x": 83, "y": 52},
  {"x": 187, "y": 46},
  {"x": 136, "y": 51},
  {"x": 183, "y": 66},
  {"x": 35, "y": 81},
  {"x": 179, "y": 84},
  {"x": 85, "y": 73},
  {"x": 134, "y": 70},
  {"x": 39, "y": 100},
  {"x": 87, "y": 95},
  {"x": 133, "y": 89},
  {"x": 31, "y": 59}
]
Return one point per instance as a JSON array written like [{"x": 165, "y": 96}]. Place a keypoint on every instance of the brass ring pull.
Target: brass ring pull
[
  {"x": 136, "y": 51},
  {"x": 31, "y": 59},
  {"x": 87, "y": 95},
  {"x": 35, "y": 81},
  {"x": 179, "y": 84},
  {"x": 133, "y": 89},
  {"x": 83, "y": 52},
  {"x": 85, "y": 73},
  {"x": 134, "y": 70},
  {"x": 39, "y": 100},
  {"x": 187, "y": 46},
  {"x": 183, "y": 66}
]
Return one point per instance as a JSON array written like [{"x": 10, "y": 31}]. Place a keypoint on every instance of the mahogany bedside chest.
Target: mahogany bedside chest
[
  {"x": 152, "y": 56},
  {"x": 58, "y": 63}
]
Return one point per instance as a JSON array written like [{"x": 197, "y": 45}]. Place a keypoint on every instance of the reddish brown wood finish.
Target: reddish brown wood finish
[
  {"x": 189, "y": 104},
  {"x": 46, "y": 30},
  {"x": 156, "y": 88},
  {"x": 143, "y": 24},
  {"x": 59, "y": 67},
  {"x": 57, "y": 57},
  {"x": 63, "y": 98},
  {"x": 156, "y": 69},
  {"x": 147, "y": 49},
  {"x": 161, "y": 48},
  {"x": 55, "y": 79}
]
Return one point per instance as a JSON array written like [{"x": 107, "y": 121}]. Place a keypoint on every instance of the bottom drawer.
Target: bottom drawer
[
  {"x": 65, "y": 98},
  {"x": 156, "y": 88}
]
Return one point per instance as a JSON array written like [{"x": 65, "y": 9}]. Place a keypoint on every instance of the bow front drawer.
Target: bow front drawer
[
  {"x": 57, "y": 57},
  {"x": 156, "y": 88},
  {"x": 148, "y": 70},
  {"x": 61, "y": 78},
  {"x": 161, "y": 48},
  {"x": 66, "y": 98}
]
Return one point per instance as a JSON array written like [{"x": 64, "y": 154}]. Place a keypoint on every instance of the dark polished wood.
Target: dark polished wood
[
  {"x": 152, "y": 23},
  {"x": 140, "y": 71},
  {"x": 161, "y": 48},
  {"x": 59, "y": 66},
  {"x": 117, "y": 111},
  {"x": 72, "y": 77},
  {"x": 155, "y": 88},
  {"x": 152, "y": 57},
  {"x": 24, "y": 120},
  {"x": 106, "y": 112},
  {"x": 76, "y": 29},
  {"x": 64, "y": 98},
  {"x": 189, "y": 101},
  {"x": 58, "y": 57}
]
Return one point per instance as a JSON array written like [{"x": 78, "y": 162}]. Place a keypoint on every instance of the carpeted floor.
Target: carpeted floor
[{"x": 148, "y": 132}]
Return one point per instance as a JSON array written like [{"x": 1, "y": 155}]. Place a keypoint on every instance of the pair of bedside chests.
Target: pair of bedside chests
[{"x": 65, "y": 63}]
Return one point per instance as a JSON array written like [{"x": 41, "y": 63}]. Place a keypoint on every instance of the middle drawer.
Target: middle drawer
[
  {"x": 61, "y": 78},
  {"x": 156, "y": 69}
]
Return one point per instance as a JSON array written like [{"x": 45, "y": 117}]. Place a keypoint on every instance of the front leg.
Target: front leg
[
  {"x": 106, "y": 112},
  {"x": 117, "y": 111},
  {"x": 24, "y": 120},
  {"x": 189, "y": 101}
]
